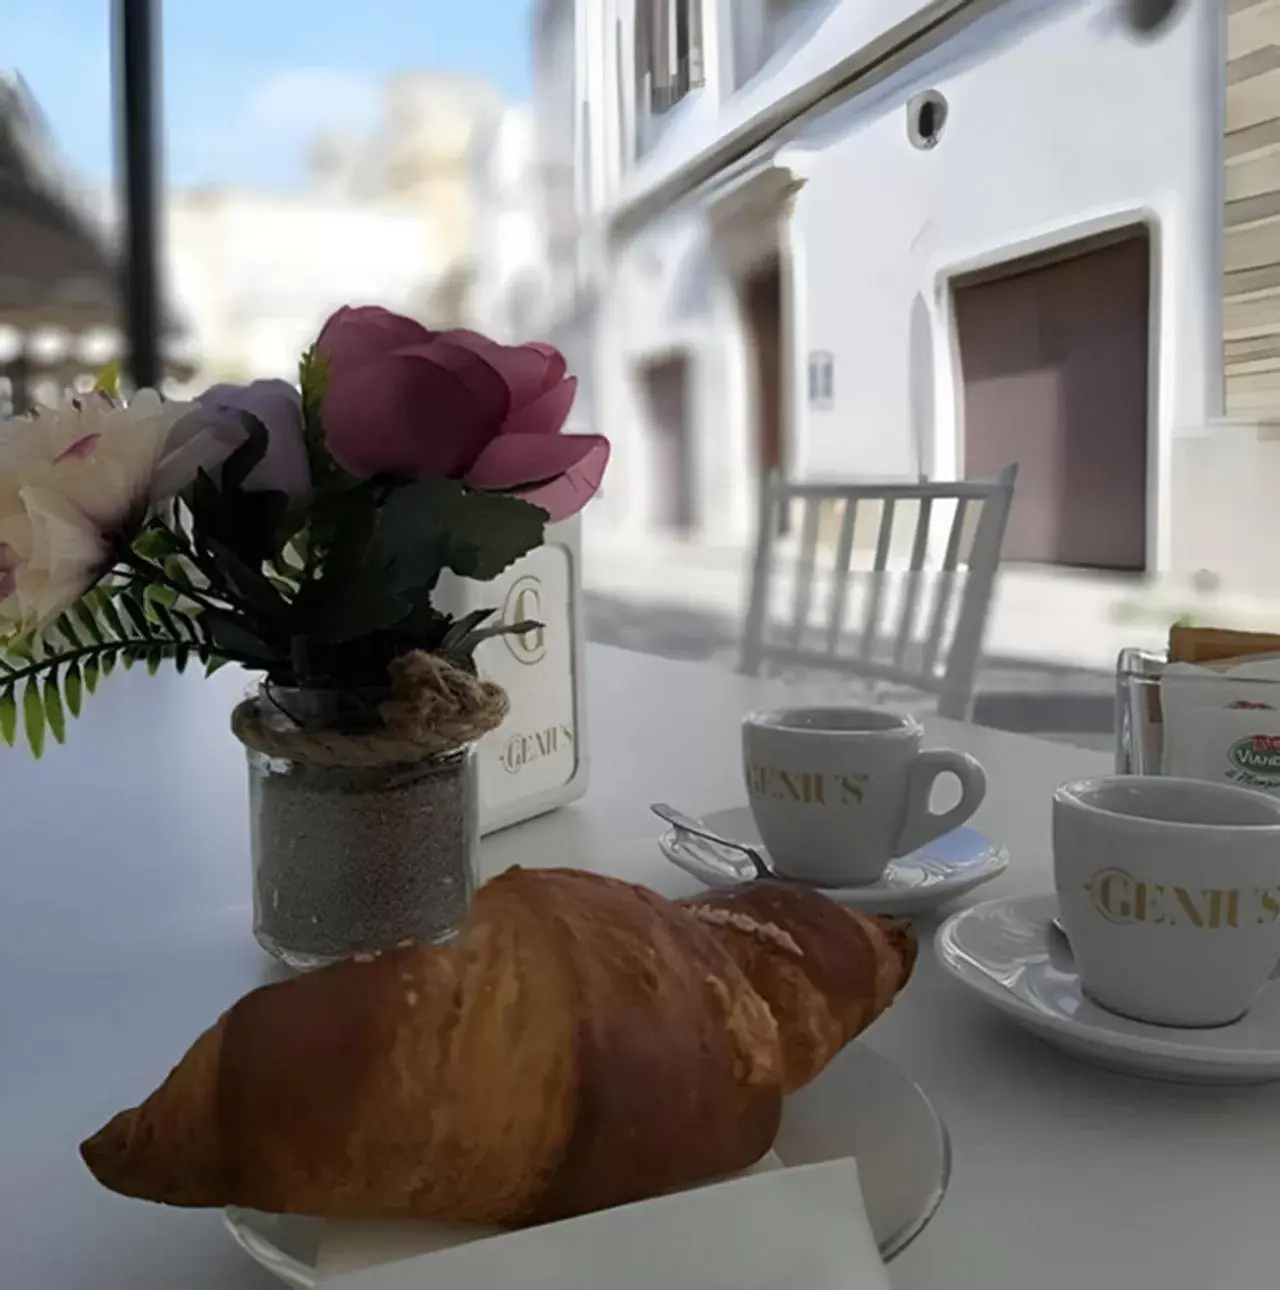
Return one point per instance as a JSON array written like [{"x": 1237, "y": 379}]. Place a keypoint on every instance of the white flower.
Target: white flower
[{"x": 75, "y": 482}]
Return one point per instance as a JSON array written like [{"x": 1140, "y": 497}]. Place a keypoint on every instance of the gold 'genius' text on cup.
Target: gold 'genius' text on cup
[
  {"x": 804, "y": 787},
  {"x": 1121, "y": 898}
]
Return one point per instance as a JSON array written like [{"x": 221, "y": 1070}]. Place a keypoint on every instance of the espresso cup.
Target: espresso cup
[
  {"x": 839, "y": 792},
  {"x": 1169, "y": 891}
]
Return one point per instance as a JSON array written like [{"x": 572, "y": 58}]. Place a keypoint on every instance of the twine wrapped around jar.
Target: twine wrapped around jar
[{"x": 432, "y": 707}]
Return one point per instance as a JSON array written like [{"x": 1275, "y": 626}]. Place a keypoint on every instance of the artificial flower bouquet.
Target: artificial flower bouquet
[{"x": 296, "y": 531}]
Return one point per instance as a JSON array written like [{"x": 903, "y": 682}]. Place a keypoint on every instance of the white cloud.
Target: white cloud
[
  {"x": 266, "y": 137},
  {"x": 300, "y": 102}
]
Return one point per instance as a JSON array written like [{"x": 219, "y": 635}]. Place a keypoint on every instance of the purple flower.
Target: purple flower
[{"x": 278, "y": 406}]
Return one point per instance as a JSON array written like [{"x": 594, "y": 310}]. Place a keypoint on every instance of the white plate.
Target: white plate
[
  {"x": 860, "y": 1106},
  {"x": 946, "y": 868},
  {"x": 1005, "y": 951}
]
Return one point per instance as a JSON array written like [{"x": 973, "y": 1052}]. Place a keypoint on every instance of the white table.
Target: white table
[{"x": 124, "y": 930}]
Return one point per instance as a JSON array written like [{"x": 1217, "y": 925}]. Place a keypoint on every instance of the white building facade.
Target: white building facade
[
  {"x": 388, "y": 217},
  {"x": 512, "y": 269},
  {"x": 902, "y": 238},
  {"x": 257, "y": 273},
  {"x": 567, "y": 54}
]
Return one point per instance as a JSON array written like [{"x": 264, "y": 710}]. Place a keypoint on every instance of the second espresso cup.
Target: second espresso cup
[
  {"x": 839, "y": 792},
  {"x": 1169, "y": 892}
]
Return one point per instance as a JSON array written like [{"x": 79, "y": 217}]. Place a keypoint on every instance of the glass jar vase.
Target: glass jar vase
[{"x": 352, "y": 859}]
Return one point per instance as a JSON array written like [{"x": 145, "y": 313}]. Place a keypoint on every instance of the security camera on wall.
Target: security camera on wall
[{"x": 1148, "y": 17}]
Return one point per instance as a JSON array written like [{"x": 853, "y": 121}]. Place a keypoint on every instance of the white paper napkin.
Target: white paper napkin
[{"x": 771, "y": 1229}]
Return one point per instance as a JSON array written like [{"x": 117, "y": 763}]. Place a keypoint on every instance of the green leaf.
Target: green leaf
[
  {"x": 108, "y": 380},
  {"x": 438, "y": 523},
  {"x": 248, "y": 582},
  {"x": 87, "y": 620},
  {"x": 467, "y": 646},
  {"x": 73, "y": 688},
  {"x": 61, "y": 634},
  {"x": 177, "y": 570},
  {"x": 90, "y": 674},
  {"x": 464, "y": 626},
  {"x": 231, "y": 634},
  {"x": 33, "y": 716},
  {"x": 181, "y": 656},
  {"x": 107, "y": 662},
  {"x": 292, "y": 560},
  {"x": 8, "y": 716},
  {"x": 171, "y": 621},
  {"x": 156, "y": 543},
  {"x": 158, "y": 599},
  {"x": 135, "y": 613},
  {"x": 53, "y": 712},
  {"x": 359, "y": 606},
  {"x": 488, "y": 533},
  {"x": 313, "y": 376},
  {"x": 313, "y": 380},
  {"x": 27, "y": 649},
  {"x": 215, "y": 663},
  {"x": 192, "y": 622},
  {"x": 154, "y": 658},
  {"x": 104, "y": 604}
]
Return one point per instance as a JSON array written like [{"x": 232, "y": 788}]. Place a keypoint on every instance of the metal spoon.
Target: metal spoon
[{"x": 694, "y": 828}]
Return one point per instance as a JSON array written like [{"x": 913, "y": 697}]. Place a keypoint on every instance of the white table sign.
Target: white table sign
[{"x": 536, "y": 760}]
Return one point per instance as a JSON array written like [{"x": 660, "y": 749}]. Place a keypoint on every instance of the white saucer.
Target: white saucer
[
  {"x": 1005, "y": 951},
  {"x": 861, "y": 1106},
  {"x": 946, "y": 868}
]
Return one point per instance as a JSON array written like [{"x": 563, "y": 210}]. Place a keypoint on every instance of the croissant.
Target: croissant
[{"x": 585, "y": 1043}]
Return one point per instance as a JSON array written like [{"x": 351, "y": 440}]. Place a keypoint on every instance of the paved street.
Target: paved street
[
  {"x": 1070, "y": 704},
  {"x": 1052, "y": 640}
]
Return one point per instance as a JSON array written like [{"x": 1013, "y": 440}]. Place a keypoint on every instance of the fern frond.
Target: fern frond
[{"x": 43, "y": 678}]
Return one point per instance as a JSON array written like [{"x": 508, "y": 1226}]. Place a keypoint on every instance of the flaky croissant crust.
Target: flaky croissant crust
[{"x": 586, "y": 1043}]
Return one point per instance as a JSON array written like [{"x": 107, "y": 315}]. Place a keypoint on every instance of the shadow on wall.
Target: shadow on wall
[
  {"x": 920, "y": 379},
  {"x": 692, "y": 281}
]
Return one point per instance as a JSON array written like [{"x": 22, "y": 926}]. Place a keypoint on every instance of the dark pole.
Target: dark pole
[{"x": 137, "y": 54}]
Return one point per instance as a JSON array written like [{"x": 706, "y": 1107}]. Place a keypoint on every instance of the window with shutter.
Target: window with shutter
[{"x": 669, "y": 51}]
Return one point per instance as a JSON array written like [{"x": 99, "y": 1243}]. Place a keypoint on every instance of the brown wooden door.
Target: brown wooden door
[
  {"x": 666, "y": 385},
  {"x": 1054, "y": 362}
]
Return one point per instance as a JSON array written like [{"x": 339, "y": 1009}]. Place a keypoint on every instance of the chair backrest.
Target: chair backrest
[{"x": 921, "y": 624}]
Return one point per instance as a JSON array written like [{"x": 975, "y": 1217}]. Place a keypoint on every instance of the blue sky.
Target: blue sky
[{"x": 247, "y": 83}]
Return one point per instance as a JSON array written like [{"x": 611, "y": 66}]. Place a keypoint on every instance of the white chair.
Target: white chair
[{"x": 922, "y": 625}]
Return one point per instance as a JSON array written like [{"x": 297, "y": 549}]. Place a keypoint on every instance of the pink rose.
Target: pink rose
[{"x": 402, "y": 400}]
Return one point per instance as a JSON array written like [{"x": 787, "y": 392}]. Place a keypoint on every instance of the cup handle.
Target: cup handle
[{"x": 920, "y": 825}]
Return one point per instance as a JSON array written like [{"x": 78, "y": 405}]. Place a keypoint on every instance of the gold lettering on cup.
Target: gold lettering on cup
[
  {"x": 804, "y": 787},
  {"x": 1121, "y": 898},
  {"x": 1268, "y": 905},
  {"x": 1112, "y": 891},
  {"x": 853, "y": 789}
]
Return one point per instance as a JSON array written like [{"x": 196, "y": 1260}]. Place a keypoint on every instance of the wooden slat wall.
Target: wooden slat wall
[{"x": 1251, "y": 259}]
